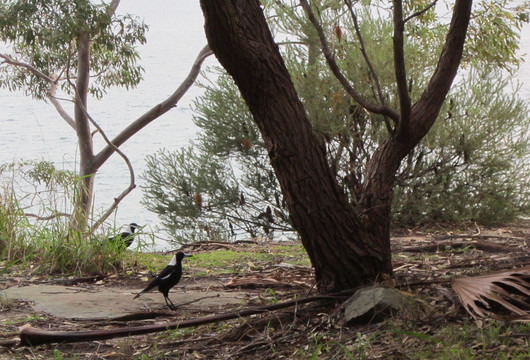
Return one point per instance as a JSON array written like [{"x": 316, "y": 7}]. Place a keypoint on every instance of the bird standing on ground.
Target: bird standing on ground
[
  {"x": 126, "y": 237},
  {"x": 167, "y": 278}
]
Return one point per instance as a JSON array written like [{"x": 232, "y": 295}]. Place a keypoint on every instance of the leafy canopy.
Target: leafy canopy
[{"x": 43, "y": 34}]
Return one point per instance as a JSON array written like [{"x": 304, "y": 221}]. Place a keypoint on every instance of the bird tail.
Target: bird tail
[{"x": 137, "y": 295}]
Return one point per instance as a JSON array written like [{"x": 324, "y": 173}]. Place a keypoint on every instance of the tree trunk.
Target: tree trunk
[
  {"x": 348, "y": 247},
  {"x": 85, "y": 187},
  {"x": 342, "y": 253}
]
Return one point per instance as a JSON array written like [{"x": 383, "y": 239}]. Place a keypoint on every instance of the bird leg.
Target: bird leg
[{"x": 170, "y": 305}]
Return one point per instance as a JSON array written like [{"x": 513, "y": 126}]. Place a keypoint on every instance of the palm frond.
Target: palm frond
[{"x": 503, "y": 295}]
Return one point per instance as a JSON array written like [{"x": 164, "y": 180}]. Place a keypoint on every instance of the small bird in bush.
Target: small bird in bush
[
  {"x": 126, "y": 237},
  {"x": 167, "y": 278}
]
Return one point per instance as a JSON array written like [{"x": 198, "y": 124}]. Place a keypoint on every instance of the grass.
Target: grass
[
  {"x": 25, "y": 320},
  {"x": 219, "y": 262},
  {"x": 6, "y": 302},
  {"x": 464, "y": 341},
  {"x": 52, "y": 248},
  {"x": 232, "y": 261},
  {"x": 38, "y": 238}
]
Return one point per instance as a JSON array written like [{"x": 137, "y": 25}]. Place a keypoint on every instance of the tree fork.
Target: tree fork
[{"x": 342, "y": 253}]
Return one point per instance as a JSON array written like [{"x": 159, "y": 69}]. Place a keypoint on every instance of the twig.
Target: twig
[
  {"x": 418, "y": 13},
  {"x": 363, "y": 51},
  {"x": 378, "y": 109},
  {"x": 32, "y": 69}
]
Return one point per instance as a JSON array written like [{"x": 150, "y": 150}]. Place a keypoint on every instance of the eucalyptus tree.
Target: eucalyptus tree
[
  {"x": 80, "y": 48},
  {"x": 348, "y": 243}
]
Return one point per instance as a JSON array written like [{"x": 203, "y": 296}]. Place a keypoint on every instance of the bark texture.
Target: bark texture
[
  {"x": 342, "y": 254},
  {"x": 347, "y": 246}
]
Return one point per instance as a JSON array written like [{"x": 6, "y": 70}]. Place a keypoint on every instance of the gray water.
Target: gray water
[{"x": 33, "y": 130}]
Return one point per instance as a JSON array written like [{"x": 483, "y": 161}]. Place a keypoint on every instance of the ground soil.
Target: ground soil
[{"x": 424, "y": 262}]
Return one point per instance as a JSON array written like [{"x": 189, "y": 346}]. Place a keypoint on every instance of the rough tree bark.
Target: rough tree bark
[{"x": 348, "y": 247}]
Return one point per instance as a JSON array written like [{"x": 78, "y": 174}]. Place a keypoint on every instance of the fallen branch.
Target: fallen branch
[
  {"x": 75, "y": 281},
  {"x": 479, "y": 245},
  {"x": 223, "y": 244},
  {"x": 30, "y": 336},
  {"x": 477, "y": 236}
]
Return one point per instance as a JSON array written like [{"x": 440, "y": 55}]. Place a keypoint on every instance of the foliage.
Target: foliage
[
  {"x": 44, "y": 34},
  {"x": 475, "y": 153},
  {"x": 461, "y": 158},
  {"x": 79, "y": 47},
  {"x": 35, "y": 231}
]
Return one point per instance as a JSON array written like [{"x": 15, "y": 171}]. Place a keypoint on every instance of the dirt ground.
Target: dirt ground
[{"x": 424, "y": 261}]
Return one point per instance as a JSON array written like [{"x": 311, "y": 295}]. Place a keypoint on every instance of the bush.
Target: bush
[{"x": 471, "y": 166}]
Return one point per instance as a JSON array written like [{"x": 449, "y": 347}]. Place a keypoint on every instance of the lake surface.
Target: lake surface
[{"x": 33, "y": 130}]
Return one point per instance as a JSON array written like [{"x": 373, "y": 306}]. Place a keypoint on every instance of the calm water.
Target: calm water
[{"x": 32, "y": 130}]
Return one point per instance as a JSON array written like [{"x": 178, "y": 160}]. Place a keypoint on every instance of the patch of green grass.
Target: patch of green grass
[
  {"x": 411, "y": 340},
  {"x": 46, "y": 242},
  {"x": 464, "y": 341},
  {"x": 25, "y": 320},
  {"x": 224, "y": 261},
  {"x": 150, "y": 261},
  {"x": 232, "y": 261},
  {"x": 492, "y": 341},
  {"x": 220, "y": 261},
  {"x": 6, "y": 302}
]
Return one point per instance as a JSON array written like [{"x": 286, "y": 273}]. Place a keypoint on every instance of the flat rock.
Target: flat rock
[
  {"x": 109, "y": 302},
  {"x": 372, "y": 304}
]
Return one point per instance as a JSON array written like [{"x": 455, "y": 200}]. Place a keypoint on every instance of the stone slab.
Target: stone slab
[{"x": 110, "y": 302}]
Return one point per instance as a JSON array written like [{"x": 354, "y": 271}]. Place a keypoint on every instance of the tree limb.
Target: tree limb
[
  {"x": 58, "y": 106},
  {"x": 418, "y": 13},
  {"x": 157, "y": 110},
  {"x": 125, "y": 192},
  {"x": 400, "y": 71},
  {"x": 425, "y": 111},
  {"x": 114, "y": 5},
  {"x": 33, "y": 70},
  {"x": 378, "y": 109},
  {"x": 364, "y": 53}
]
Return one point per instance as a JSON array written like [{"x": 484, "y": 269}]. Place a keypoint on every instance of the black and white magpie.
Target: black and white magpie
[
  {"x": 126, "y": 237},
  {"x": 167, "y": 278}
]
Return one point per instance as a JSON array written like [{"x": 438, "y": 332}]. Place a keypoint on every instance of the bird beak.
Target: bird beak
[{"x": 188, "y": 255}]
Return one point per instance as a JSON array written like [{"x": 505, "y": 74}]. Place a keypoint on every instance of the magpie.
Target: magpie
[
  {"x": 167, "y": 278},
  {"x": 126, "y": 237}
]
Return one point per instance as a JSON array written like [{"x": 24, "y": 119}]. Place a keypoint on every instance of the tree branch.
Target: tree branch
[
  {"x": 364, "y": 53},
  {"x": 157, "y": 110},
  {"x": 418, "y": 13},
  {"x": 114, "y": 5},
  {"x": 378, "y": 109},
  {"x": 425, "y": 111},
  {"x": 33, "y": 70},
  {"x": 58, "y": 106},
  {"x": 400, "y": 71},
  {"x": 132, "y": 184}
]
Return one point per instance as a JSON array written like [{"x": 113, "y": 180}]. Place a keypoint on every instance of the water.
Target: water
[{"x": 33, "y": 130}]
